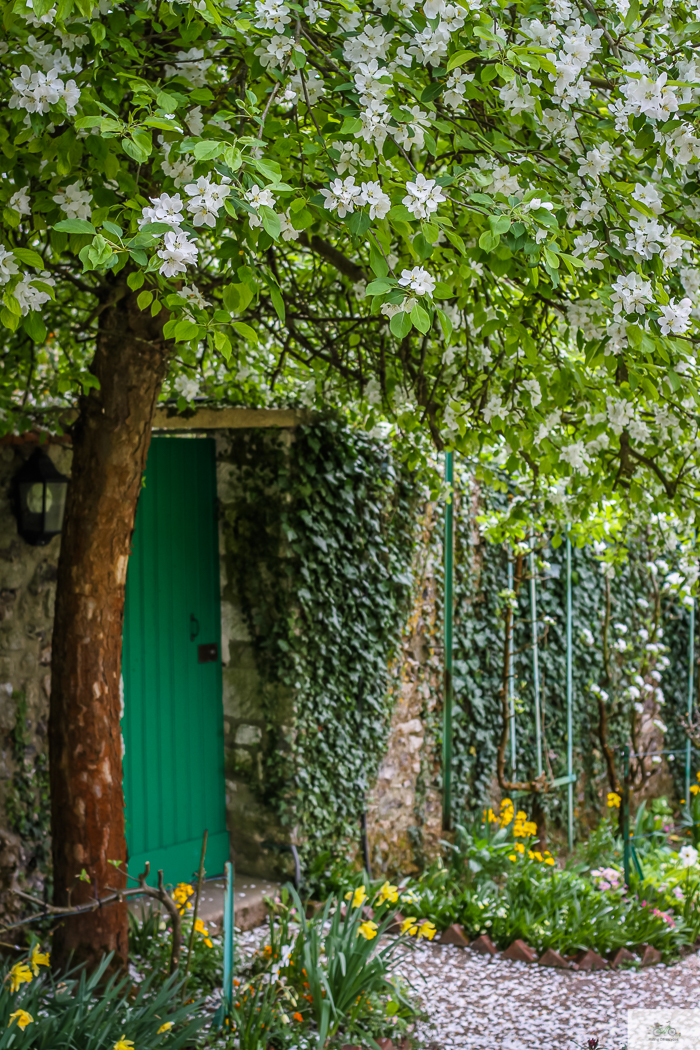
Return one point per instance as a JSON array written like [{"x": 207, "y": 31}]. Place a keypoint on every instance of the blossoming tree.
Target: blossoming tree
[{"x": 472, "y": 217}]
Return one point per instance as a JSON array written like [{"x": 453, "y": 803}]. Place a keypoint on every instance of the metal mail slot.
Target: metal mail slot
[{"x": 208, "y": 654}]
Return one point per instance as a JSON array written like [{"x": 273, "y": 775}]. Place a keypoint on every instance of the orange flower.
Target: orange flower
[{"x": 297, "y": 1016}]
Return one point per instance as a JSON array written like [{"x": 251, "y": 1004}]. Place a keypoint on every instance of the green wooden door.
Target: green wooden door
[{"x": 173, "y": 715}]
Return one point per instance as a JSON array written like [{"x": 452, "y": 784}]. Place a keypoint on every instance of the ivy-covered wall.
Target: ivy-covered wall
[
  {"x": 480, "y": 579},
  {"x": 320, "y": 545}
]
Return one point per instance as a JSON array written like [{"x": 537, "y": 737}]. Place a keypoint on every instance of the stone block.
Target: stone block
[
  {"x": 622, "y": 957},
  {"x": 649, "y": 956},
  {"x": 553, "y": 958},
  {"x": 518, "y": 951},
  {"x": 589, "y": 960},
  {"x": 484, "y": 945},
  {"x": 248, "y": 736},
  {"x": 454, "y": 934}
]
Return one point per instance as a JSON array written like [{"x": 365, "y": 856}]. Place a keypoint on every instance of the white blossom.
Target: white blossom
[
  {"x": 74, "y": 201},
  {"x": 177, "y": 253},
  {"x": 418, "y": 280}
]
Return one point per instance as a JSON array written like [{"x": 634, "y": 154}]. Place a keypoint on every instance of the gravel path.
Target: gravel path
[{"x": 477, "y": 1002}]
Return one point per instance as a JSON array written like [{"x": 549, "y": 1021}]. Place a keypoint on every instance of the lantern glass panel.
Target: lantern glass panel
[{"x": 55, "y": 505}]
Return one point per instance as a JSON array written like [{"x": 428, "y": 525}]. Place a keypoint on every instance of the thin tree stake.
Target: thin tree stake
[{"x": 200, "y": 881}]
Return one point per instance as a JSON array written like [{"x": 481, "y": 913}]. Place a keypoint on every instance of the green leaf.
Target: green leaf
[
  {"x": 458, "y": 58},
  {"x": 29, "y": 257},
  {"x": 35, "y": 327},
  {"x": 74, "y": 226},
  {"x": 207, "y": 149},
  {"x": 185, "y": 331},
  {"x": 377, "y": 262},
  {"x": 145, "y": 299},
  {"x": 420, "y": 318},
  {"x": 270, "y": 221},
  {"x": 246, "y": 331},
  {"x": 135, "y": 280},
  {"x": 135, "y": 151},
  {"x": 499, "y": 223},
  {"x": 88, "y": 122},
  {"x": 237, "y": 297},
  {"x": 445, "y": 324},
  {"x": 489, "y": 240},
  {"x": 381, "y": 285},
  {"x": 223, "y": 345},
  {"x": 400, "y": 325},
  {"x": 277, "y": 300}
]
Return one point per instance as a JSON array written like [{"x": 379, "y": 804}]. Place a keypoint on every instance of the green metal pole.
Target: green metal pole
[
  {"x": 228, "y": 937},
  {"x": 691, "y": 678},
  {"x": 535, "y": 661},
  {"x": 447, "y": 716},
  {"x": 511, "y": 680},
  {"x": 569, "y": 693},
  {"x": 626, "y": 816}
]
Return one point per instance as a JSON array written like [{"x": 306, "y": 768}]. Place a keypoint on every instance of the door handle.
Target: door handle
[{"x": 194, "y": 627}]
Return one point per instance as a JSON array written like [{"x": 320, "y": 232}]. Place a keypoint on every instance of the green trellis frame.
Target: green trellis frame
[{"x": 447, "y": 741}]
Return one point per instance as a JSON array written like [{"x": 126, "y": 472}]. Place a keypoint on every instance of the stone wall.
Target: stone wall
[
  {"x": 27, "y": 593},
  {"x": 404, "y": 813},
  {"x": 252, "y": 709}
]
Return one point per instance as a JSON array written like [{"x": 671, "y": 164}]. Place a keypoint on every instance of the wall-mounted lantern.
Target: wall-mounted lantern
[{"x": 40, "y": 499}]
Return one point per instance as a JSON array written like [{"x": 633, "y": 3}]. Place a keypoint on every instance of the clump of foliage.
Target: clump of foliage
[
  {"x": 100, "y": 1011},
  {"x": 327, "y": 980}
]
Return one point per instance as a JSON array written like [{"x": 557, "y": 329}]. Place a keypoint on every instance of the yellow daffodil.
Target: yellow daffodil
[
  {"x": 534, "y": 855},
  {"x": 694, "y": 788},
  {"x": 165, "y": 1027},
  {"x": 427, "y": 930},
  {"x": 18, "y": 975},
  {"x": 549, "y": 860},
  {"x": 37, "y": 959},
  {"x": 358, "y": 897},
  {"x": 697, "y": 775},
  {"x": 507, "y": 812},
  {"x": 22, "y": 1018},
  {"x": 123, "y": 1044},
  {"x": 388, "y": 893},
  {"x": 519, "y": 847},
  {"x": 181, "y": 895},
  {"x": 201, "y": 928},
  {"x": 409, "y": 926},
  {"x": 614, "y": 800},
  {"x": 492, "y": 818},
  {"x": 512, "y": 856},
  {"x": 520, "y": 815},
  {"x": 368, "y": 930}
]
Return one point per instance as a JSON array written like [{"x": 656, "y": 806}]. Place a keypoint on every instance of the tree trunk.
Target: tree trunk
[{"x": 110, "y": 443}]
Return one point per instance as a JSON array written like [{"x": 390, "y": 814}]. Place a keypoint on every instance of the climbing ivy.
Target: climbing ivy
[
  {"x": 27, "y": 803},
  {"x": 324, "y": 542}
]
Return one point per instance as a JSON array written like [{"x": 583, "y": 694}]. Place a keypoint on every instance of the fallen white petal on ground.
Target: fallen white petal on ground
[{"x": 478, "y": 1003}]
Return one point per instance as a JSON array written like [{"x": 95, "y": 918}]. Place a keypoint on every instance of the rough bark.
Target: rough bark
[{"x": 110, "y": 443}]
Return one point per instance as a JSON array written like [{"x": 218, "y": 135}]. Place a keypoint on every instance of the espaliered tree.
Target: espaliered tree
[{"x": 473, "y": 219}]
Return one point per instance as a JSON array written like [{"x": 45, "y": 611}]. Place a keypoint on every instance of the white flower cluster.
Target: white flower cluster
[
  {"x": 206, "y": 200},
  {"x": 343, "y": 196},
  {"x": 75, "y": 201},
  {"x": 36, "y": 91},
  {"x": 423, "y": 197}
]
